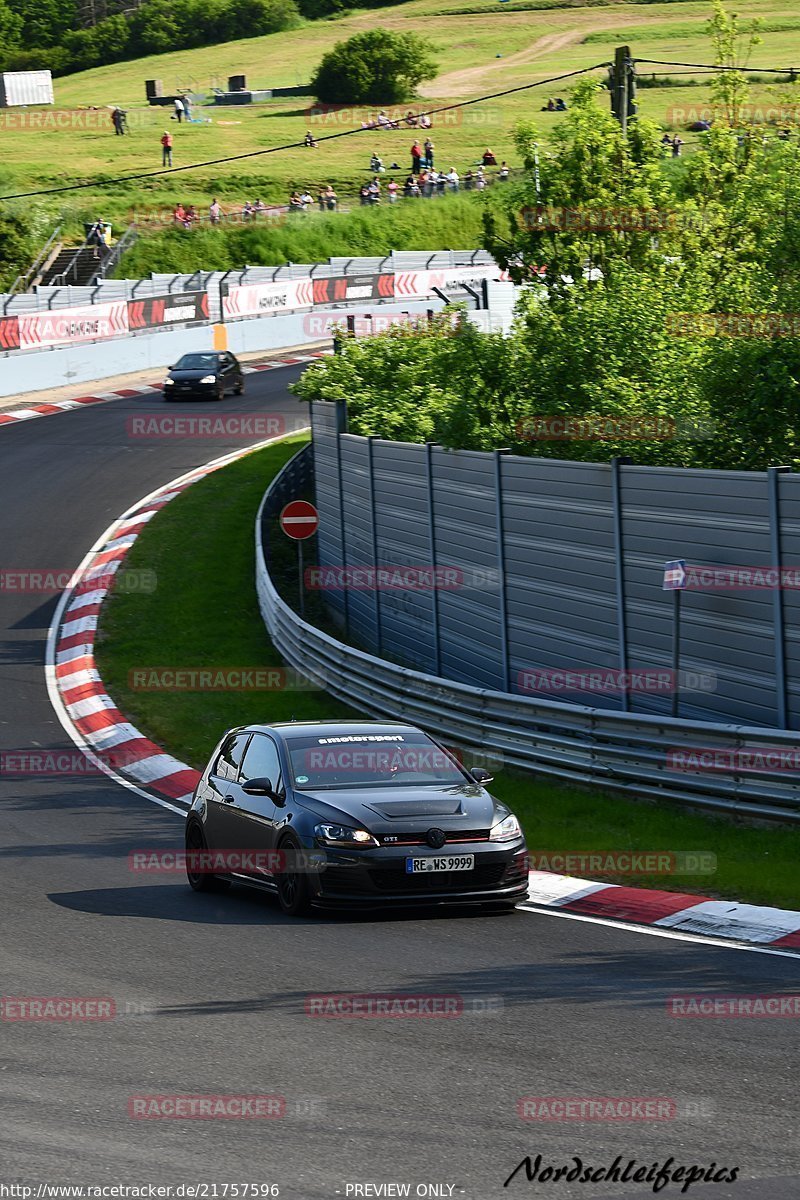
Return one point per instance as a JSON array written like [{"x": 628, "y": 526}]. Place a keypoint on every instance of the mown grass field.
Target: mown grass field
[
  {"x": 486, "y": 49},
  {"x": 199, "y": 617}
]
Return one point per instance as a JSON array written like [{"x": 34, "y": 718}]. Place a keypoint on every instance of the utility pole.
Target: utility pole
[{"x": 622, "y": 86}]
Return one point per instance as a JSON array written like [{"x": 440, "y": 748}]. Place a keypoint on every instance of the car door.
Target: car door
[
  {"x": 257, "y": 816},
  {"x": 221, "y": 827}
]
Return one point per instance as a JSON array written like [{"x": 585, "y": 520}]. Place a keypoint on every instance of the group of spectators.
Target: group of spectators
[{"x": 672, "y": 145}]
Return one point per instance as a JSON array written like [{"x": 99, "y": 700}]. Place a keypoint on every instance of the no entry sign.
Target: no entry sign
[{"x": 299, "y": 520}]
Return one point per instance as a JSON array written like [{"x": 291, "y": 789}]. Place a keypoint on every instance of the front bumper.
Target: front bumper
[{"x": 374, "y": 878}]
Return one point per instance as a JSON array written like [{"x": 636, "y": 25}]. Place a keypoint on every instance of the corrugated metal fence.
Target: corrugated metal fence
[
  {"x": 551, "y": 574},
  {"x": 644, "y": 755}
]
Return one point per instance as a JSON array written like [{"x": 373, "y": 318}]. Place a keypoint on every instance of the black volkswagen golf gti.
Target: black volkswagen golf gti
[{"x": 345, "y": 815}]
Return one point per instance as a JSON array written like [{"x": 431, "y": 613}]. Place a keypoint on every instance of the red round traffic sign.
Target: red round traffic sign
[{"x": 299, "y": 520}]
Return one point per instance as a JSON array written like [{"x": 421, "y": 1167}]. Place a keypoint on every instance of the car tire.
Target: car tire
[
  {"x": 294, "y": 894},
  {"x": 220, "y": 392},
  {"x": 201, "y": 881},
  {"x": 239, "y": 389}
]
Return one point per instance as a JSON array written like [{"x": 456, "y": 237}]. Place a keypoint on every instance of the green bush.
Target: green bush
[{"x": 376, "y": 67}]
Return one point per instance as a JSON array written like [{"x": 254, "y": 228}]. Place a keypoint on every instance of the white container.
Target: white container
[{"x": 25, "y": 87}]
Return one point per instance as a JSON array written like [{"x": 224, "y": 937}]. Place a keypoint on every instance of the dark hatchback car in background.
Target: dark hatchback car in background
[
  {"x": 210, "y": 374},
  {"x": 346, "y": 815}
]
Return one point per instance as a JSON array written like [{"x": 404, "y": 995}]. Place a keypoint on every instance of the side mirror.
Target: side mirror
[
  {"x": 260, "y": 786},
  {"x": 480, "y": 776}
]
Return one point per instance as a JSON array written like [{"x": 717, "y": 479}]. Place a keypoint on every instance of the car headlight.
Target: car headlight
[
  {"x": 209, "y": 379},
  {"x": 344, "y": 835},
  {"x": 168, "y": 381},
  {"x": 505, "y": 830}
]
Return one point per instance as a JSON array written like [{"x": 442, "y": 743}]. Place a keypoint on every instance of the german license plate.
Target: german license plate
[{"x": 444, "y": 862}]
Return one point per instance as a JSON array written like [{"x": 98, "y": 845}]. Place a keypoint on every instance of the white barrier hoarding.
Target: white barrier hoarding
[
  {"x": 65, "y": 326},
  {"x": 260, "y": 299}
]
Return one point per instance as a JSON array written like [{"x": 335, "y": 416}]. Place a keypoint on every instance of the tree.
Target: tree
[{"x": 377, "y": 67}]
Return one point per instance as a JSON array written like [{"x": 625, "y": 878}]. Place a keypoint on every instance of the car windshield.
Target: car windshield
[
  {"x": 370, "y": 760},
  {"x": 196, "y": 362}
]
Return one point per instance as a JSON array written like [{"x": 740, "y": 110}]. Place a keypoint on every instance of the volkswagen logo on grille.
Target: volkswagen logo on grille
[{"x": 435, "y": 838}]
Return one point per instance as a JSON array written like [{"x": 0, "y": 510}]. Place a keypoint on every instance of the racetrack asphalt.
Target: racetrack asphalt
[{"x": 210, "y": 991}]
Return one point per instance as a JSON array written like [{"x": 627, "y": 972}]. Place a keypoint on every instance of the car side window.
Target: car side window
[
  {"x": 262, "y": 761},
  {"x": 230, "y": 757}
]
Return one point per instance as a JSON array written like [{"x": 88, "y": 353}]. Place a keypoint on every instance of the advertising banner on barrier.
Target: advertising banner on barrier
[
  {"x": 419, "y": 284},
  {"x": 175, "y": 308},
  {"x": 262, "y": 299},
  {"x": 9, "y": 333},
  {"x": 64, "y": 326},
  {"x": 343, "y": 288}
]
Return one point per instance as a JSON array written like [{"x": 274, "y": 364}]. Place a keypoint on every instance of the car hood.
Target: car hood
[{"x": 392, "y": 809}]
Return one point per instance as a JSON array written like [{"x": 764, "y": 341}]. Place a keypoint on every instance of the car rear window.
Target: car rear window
[{"x": 370, "y": 760}]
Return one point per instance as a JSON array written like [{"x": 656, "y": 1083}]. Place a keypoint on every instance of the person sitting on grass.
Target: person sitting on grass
[
  {"x": 310, "y": 140},
  {"x": 376, "y": 163},
  {"x": 489, "y": 159}
]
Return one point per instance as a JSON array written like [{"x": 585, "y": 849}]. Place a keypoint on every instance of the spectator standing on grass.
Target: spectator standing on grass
[
  {"x": 503, "y": 173},
  {"x": 363, "y": 194},
  {"x": 429, "y": 152},
  {"x": 469, "y": 181},
  {"x": 166, "y": 149},
  {"x": 416, "y": 157},
  {"x": 391, "y": 191},
  {"x": 118, "y": 120},
  {"x": 375, "y": 191},
  {"x": 677, "y": 143},
  {"x": 306, "y": 199},
  {"x": 247, "y": 211},
  {"x": 453, "y": 179},
  {"x": 294, "y": 203},
  {"x": 331, "y": 199},
  {"x": 187, "y": 109},
  {"x": 321, "y": 198},
  {"x": 178, "y": 104},
  {"x": 480, "y": 179},
  {"x": 214, "y": 212}
]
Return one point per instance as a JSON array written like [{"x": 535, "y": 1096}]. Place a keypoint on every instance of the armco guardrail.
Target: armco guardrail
[{"x": 624, "y": 753}]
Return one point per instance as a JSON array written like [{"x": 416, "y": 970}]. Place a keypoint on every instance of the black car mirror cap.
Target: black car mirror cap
[
  {"x": 481, "y": 775},
  {"x": 259, "y": 786}
]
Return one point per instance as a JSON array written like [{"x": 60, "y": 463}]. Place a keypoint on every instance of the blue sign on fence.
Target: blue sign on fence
[{"x": 675, "y": 575}]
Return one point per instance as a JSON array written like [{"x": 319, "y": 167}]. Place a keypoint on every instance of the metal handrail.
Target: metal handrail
[
  {"x": 22, "y": 282},
  {"x": 569, "y": 742}
]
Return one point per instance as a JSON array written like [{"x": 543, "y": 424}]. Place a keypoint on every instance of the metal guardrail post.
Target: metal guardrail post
[
  {"x": 341, "y": 427},
  {"x": 776, "y": 559},
  {"x": 437, "y": 647},
  {"x": 619, "y": 570},
  {"x": 505, "y": 665},
  {"x": 376, "y": 591}
]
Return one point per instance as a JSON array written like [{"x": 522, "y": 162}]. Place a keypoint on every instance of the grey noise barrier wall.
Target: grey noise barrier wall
[{"x": 559, "y": 607}]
